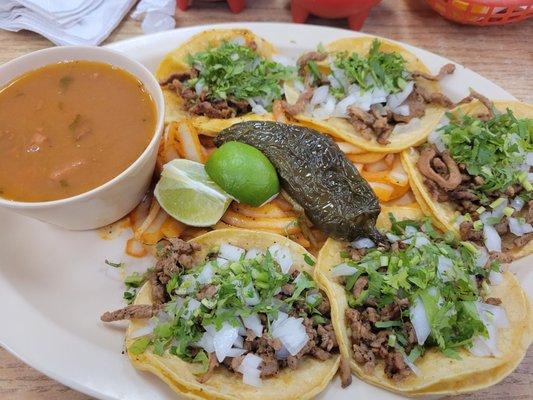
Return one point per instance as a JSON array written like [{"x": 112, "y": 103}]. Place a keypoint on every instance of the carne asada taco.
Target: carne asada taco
[
  {"x": 369, "y": 92},
  {"x": 475, "y": 176},
  {"x": 220, "y": 77},
  {"x": 233, "y": 314},
  {"x": 423, "y": 313}
]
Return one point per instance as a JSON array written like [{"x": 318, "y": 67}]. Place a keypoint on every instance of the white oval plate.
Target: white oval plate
[{"x": 54, "y": 284}]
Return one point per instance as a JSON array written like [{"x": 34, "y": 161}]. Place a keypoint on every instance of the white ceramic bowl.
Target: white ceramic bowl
[{"x": 115, "y": 198}]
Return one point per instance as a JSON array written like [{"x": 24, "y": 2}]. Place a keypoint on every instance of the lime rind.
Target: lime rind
[{"x": 186, "y": 193}]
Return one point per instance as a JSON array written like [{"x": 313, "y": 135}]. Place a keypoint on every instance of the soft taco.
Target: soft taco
[
  {"x": 220, "y": 77},
  {"x": 475, "y": 175},
  {"x": 423, "y": 313},
  {"x": 233, "y": 314},
  {"x": 369, "y": 92}
]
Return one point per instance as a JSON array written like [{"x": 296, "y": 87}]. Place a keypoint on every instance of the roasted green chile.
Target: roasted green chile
[{"x": 316, "y": 174}]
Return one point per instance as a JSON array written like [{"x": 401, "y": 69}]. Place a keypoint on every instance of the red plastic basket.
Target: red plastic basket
[{"x": 483, "y": 12}]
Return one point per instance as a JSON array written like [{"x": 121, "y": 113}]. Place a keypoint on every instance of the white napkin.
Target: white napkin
[
  {"x": 156, "y": 15},
  {"x": 65, "y": 22}
]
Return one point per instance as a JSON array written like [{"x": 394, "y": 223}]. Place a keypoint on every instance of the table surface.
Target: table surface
[{"x": 501, "y": 54}]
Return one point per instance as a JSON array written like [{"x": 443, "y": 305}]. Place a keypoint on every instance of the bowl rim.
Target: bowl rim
[{"x": 158, "y": 100}]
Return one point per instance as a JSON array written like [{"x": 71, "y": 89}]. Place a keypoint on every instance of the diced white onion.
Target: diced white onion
[
  {"x": 403, "y": 110},
  {"x": 482, "y": 257},
  {"x": 253, "y": 253},
  {"x": 192, "y": 306},
  {"x": 343, "y": 270},
  {"x": 282, "y": 255},
  {"x": 250, "y": 300},
  {"x": 410, "y": 231},
  {"x": 291, "y": 332},
  {"x": 199, "y": 86},
  {"x": 396, "y": 99},
  {"x": 230, "y": 252},
  {"x": 363, "y": 243},
  {"x": 206, "y": 341},
  {"x": 379, "y": 95},
  {"x": 495, "y": 278},
  {"x": 498, "y": 211},
  {"x": 517, "y": 203},
  {"x": 188, "y": 285},
  {"x": 257, "y": 108},
  {"x": 249, "y": 369},
  {"x": 493, "y": 317},
  {"x": 320, "y": 95},
  {"x": 146, "y": 329},
  {"x": 410, "y": 364},
  {"x": 206, "y": 275},
  {"x": 223, "y": 340},
  {"x": 493, "y": 241},
  {"x": 341, "y": 108},
  {"x": 341, "y": 77},
  {"x": 253, "y": 322},
  {"x": 239, "y": 342},
  {"x": 420, "y": 321},
  {"x": 282, "y": 354},
  {"x": 326, "y": 109},
  {"x": 235, "y": 352},
  {"x": 392, "y": 237},
  {"x": 443, "y": 266},
  {"x": 222, "y": 262},
  {"x": 435, "y": 137},
  {"x": 529, "y": 158},
  {"x": 519, "y": 228}
]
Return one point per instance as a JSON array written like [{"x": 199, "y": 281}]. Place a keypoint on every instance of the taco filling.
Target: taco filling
[
  {"x": 418, "y": 291},
  {"x": 228, "y": 81},
  {"x": 374, "y": 93},
  {"x": 246, "y": 311},
  {"x": 481, "y": 164}
]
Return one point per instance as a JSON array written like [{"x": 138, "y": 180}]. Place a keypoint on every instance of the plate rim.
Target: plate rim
[{"x": 143, "y": 40}]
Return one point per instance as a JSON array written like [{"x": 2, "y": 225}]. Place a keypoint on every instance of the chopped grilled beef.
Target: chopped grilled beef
[
  {"x": 328, "y": 340},
  {"x": 345, "y": 372},
  {"x": 269, "y": 366},
  {"x": 446, "y": 69},
  {"x": 359, "y": 286},
  {"x": 213, "y": 363},
  {"x": 493, "y": 301},
  {"x": 299, "y": 106},
  {"x": 467, "y": 231},
  {"x": 448, "y": 182},
  {"x": 305, "y": 58},
  {"x": 200, "y": 103},
  {"x": 131, "y": 312},
  {"x": 207, "y": 292}
]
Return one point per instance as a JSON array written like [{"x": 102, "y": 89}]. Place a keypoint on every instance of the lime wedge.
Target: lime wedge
[
  {"x": 186, "y": 193},
  {"x": 243, "y": 172}
]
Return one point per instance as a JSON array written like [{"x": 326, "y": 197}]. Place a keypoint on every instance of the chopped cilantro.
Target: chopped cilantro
[
  {"x": 412, "y": 272},
  {"x": 114, "y": 265},
  {"x": 308, "y": 260},
  {"x": 135, "y": 280},
  {"x": 494, "y": 149},
  {"x": 237, "y": 72},
  {"x": 65, "y": 82},
  {"x": 245, "y": 287},
  {"x": 139, "y": 346},
  {"x": 377, "y": 70}
]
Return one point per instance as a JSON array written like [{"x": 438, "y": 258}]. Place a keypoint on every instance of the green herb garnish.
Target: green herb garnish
[
  {"x": 377, "y": 70},
  {"x": 494, "y": 150},
  {"x": 237, "y": 72}
]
